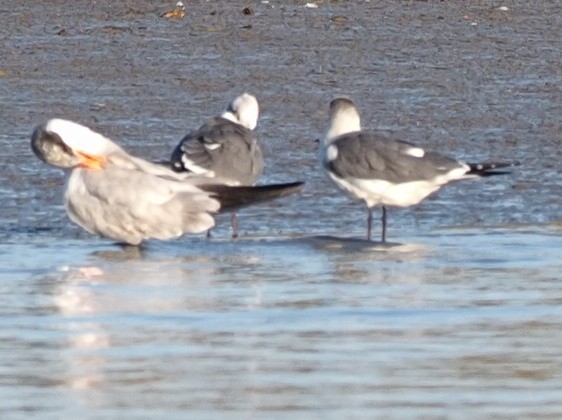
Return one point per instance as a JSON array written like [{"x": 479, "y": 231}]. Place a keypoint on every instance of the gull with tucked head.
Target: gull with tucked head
[
  {"x": 384, "y": 171},
  {"x": 243, "y": 110},
  {"x": 225, "y": 148},
  {"x": 118, "y": 196}
]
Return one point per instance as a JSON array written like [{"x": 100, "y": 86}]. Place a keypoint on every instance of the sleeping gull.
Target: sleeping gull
[
  {"x": 118, "y": 196},
  {"x": 386, "y": 171},
  {"x": 225, "y": 148}
]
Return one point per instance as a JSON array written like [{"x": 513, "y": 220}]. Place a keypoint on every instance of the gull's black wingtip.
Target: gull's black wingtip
[
  {"x": 235, "y": 197},
  {"x": 491, "y": 168}
]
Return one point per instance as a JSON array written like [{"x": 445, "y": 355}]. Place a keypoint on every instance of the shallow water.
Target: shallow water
[
  {"x": 458, "y": 317},
  {"x": 320, "y": 326}
]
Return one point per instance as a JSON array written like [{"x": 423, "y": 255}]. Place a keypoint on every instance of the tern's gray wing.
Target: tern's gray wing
[
  {"x": 223, "y": 150},
  {"x": 367, "y": 155},
  {"x": 131, "y": 205}
]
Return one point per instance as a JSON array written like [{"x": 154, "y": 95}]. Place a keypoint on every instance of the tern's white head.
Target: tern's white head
[
  {"x": 344, "y": 118},
  {"x": 66, "y": 144},
  {"x": 244, "y": 110},
  {"x": 80, "y": 138}
]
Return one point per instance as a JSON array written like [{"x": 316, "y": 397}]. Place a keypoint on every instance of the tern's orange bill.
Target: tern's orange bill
[{"x": 91, "y": 161}]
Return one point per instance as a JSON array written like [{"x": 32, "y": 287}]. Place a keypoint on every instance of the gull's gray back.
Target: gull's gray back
[
  {"x": 228, "y": 150},
  {"x": 366, "y": 155}
]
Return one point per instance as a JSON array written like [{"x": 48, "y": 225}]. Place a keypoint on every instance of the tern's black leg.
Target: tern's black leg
[
  {"x": 383, "y": 218},
  {"x": 369, "y": 222},
  {"x": 234, "y": 225}
]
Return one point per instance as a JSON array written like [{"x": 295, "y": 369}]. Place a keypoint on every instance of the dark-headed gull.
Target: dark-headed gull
[{"x": 384, "y": 171}]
